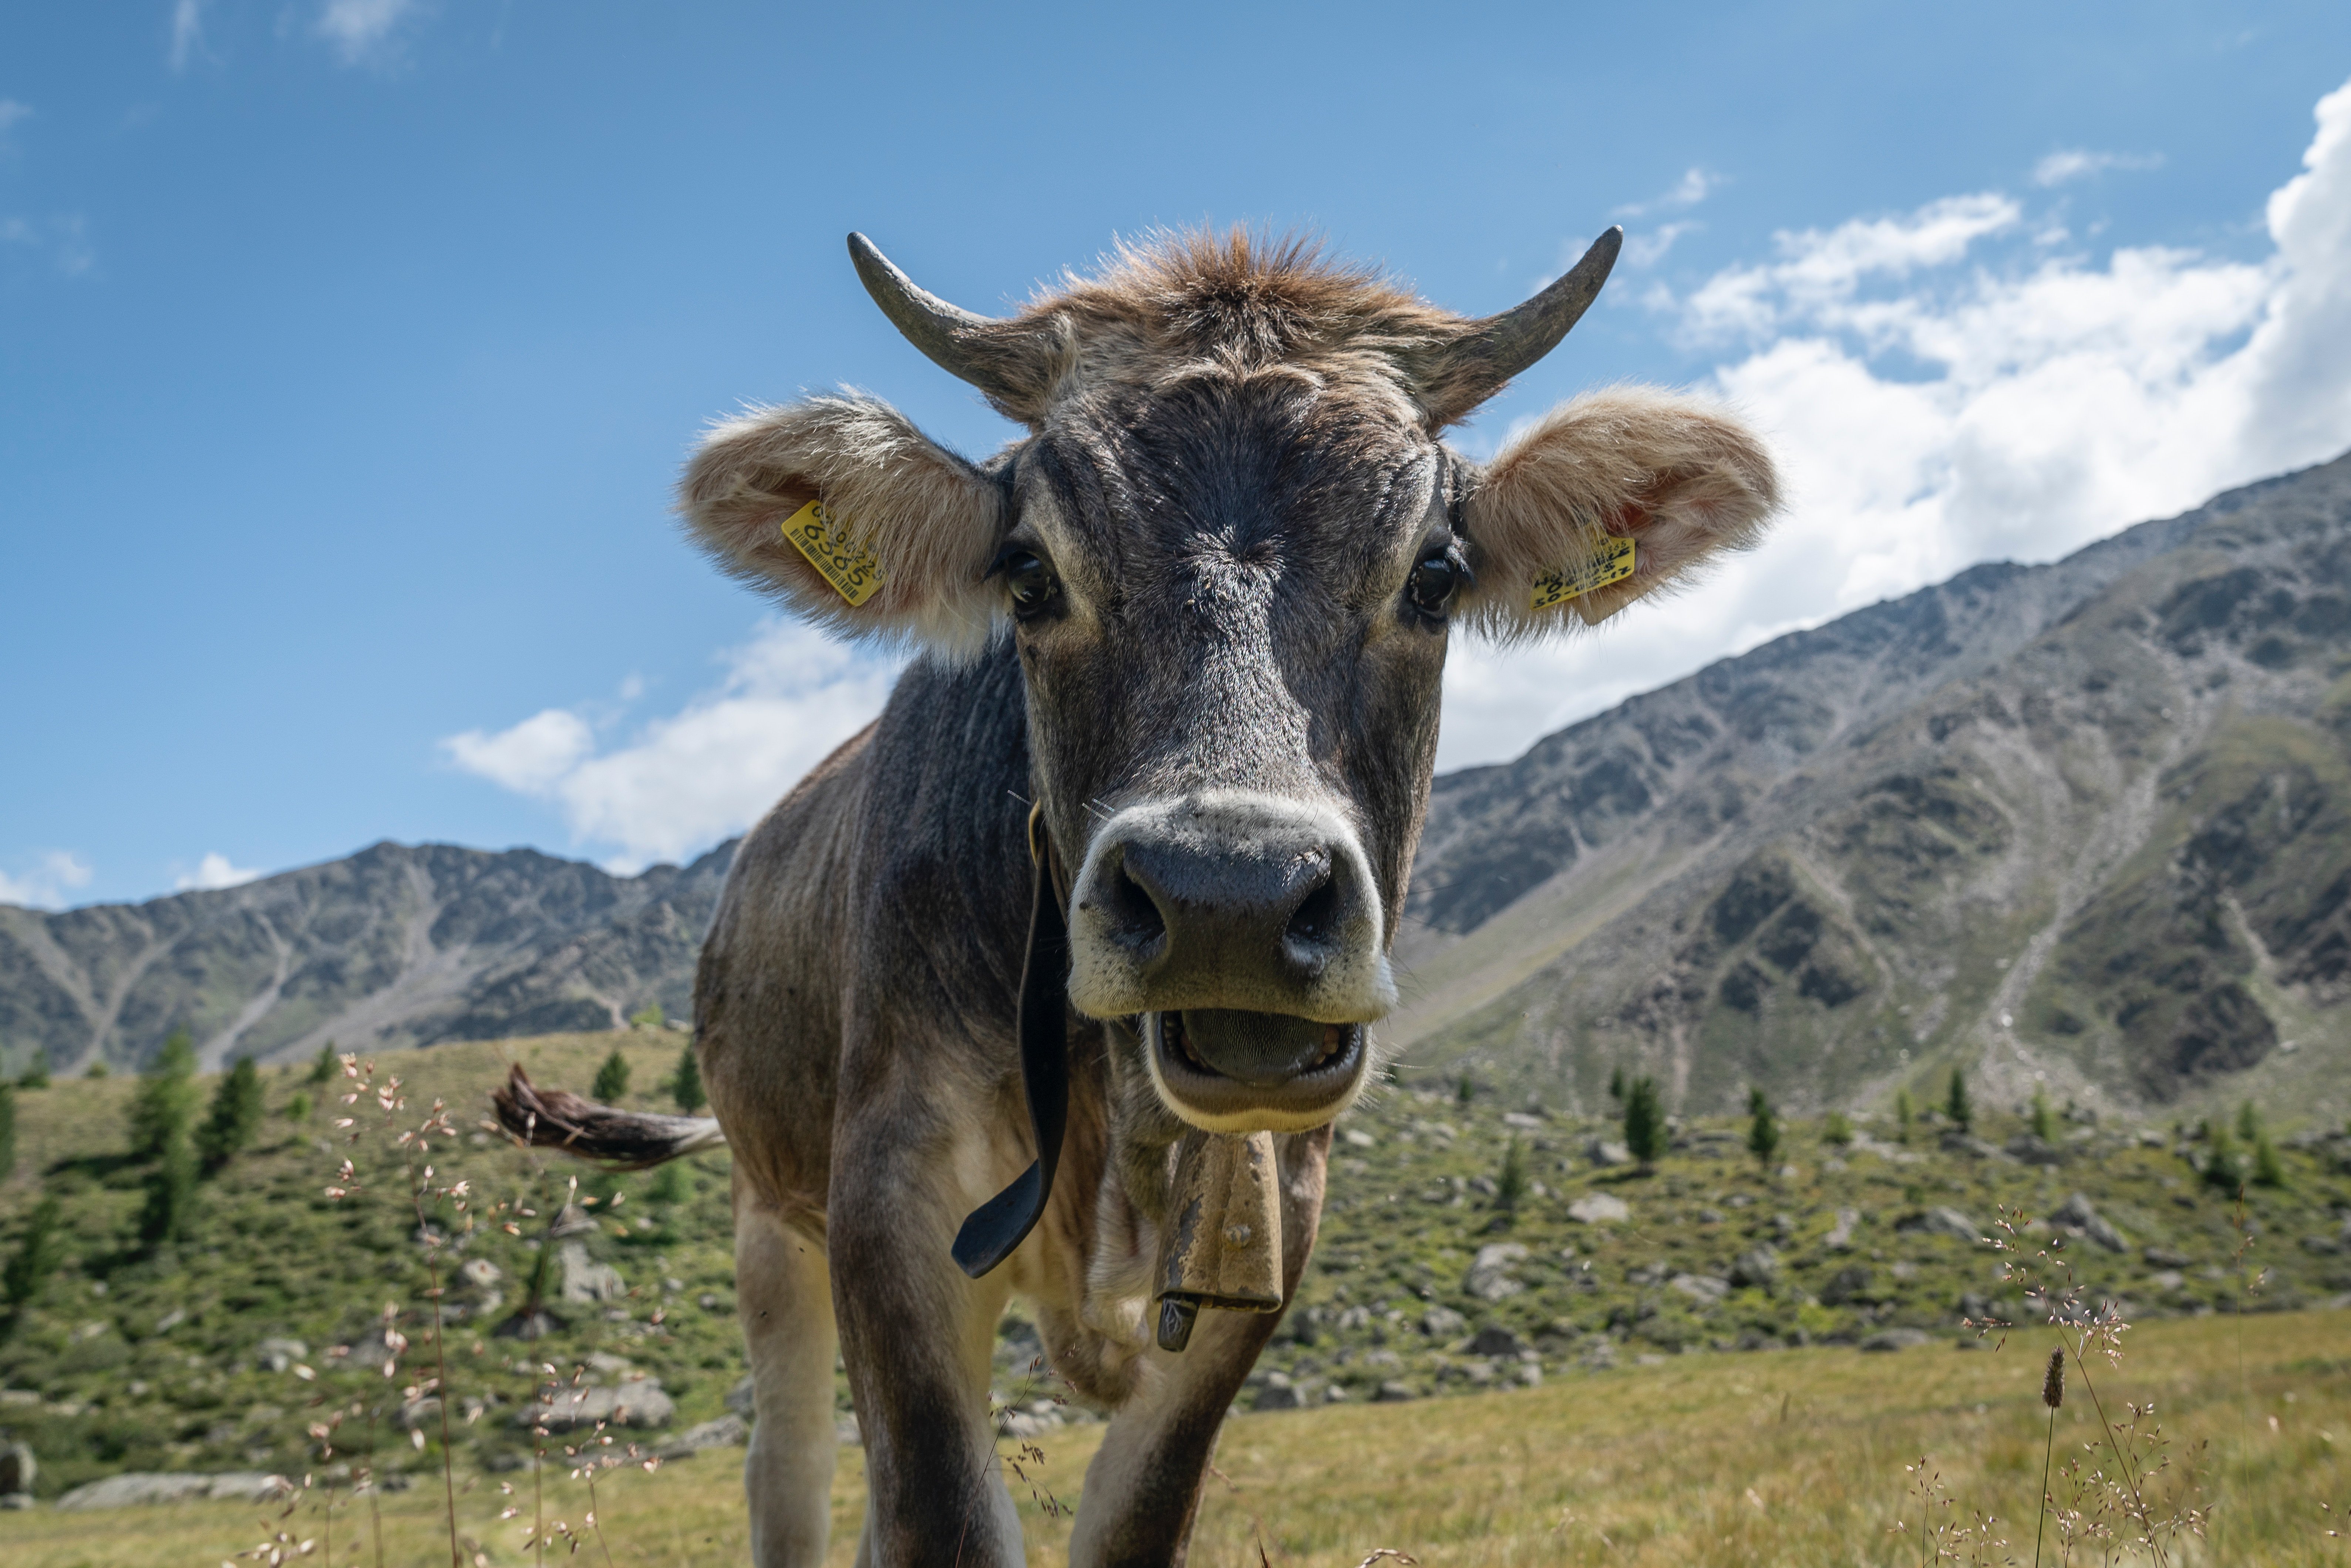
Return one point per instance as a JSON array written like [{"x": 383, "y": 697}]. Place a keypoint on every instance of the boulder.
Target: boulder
[
  {"x": 585, "y": 1280},
  {"x": 1840, "y": 1235},
  {"x": 1600, "y": 1208},
  {"x": 1443, "y": 1324},
  {"x": 1279, "y": 1393},
  {"x": 1847, "y": 1284},
  {"x": 1895, "y": 1338},
  {"x": 280, "y": 1355},
  {"x": 2075, "y": 1214},
  {"x": 1496, "y": 1340},
  {"x": 142, "y": 1487},
  {"x": 1490, "y": 1278},
  {"x": 1705, "y": 1289},
  {"x": 1393, "y": 1394},
  {"x": 738, "y": 1398},
  {"x": 2035, "y": 1151},
  {"x": 1603, "y": 1154},
  {"x": 1755, "y": 1269},
  {"x": 638, "y": 1402},
  {"x": 18, "y": 1469}
]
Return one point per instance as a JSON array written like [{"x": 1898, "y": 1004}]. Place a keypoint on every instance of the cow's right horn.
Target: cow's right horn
[
  {"x": 976, "y": 349},
  {"x": 1456, "y": 376}
]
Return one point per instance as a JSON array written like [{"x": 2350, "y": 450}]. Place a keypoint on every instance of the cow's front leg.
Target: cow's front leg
[
  {"x": 916, "y": 1336},
  {"x": 1143, "y": 1488}
]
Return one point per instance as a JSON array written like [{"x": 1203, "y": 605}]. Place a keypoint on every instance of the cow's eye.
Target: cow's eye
[
  {"x": 1435, "y": 581},
  {"x": 1029, "y": 581}
]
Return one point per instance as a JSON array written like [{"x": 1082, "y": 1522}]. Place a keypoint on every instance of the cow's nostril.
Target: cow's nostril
[
  {"x": 1134, "y": 918},
  {"x": 1314, "y": 922}
]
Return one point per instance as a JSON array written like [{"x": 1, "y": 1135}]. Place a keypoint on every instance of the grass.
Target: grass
[{"x": 1796, "y": 1458}]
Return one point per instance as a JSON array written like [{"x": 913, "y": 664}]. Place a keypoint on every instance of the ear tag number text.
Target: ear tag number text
[
  {"x": 817, "y": 534},
  {"x": 1612, "y": 562}
]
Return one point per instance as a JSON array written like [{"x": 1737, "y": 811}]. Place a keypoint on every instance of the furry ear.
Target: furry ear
[
  {"x": 926, "y": 521},
  {"x": 1679, "y": 477}
]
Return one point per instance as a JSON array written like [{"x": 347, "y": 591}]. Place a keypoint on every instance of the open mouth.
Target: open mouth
[{"x": 1226, "y": 1070}]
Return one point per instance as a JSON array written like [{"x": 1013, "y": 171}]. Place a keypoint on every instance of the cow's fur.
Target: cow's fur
[{"x": 1234, "y": 470}]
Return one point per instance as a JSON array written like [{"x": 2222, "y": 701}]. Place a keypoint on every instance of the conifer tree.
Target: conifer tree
[
  {"x": 612, "y": 1078},
  {"x": 1906, "y": 1111},
  {"x": 686, "y": 1085},
  {"x": 1762, "y": 1127},
  {"x": 322, "y": 1068},
  {"x": 40, "y": 1250},
  {"x": 1644, "y": 1121},
  {"x": 2044, "y": 1120},
  {"x": 1955, "y": 1104},
  {"x": 2268, "y": 1169},
  {"x": 1511, "y": 1182},
  {"x": 1616, "y": 1085},
  {"x": 235, "y": 1116},
  {"x": 166, "y": 1102}
]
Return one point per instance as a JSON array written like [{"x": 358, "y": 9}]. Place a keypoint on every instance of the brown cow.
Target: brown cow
[{"x": 1195, "y": 618}]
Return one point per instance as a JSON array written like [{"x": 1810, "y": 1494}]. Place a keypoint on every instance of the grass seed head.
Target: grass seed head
[{"x": 2052, "y": 1382}]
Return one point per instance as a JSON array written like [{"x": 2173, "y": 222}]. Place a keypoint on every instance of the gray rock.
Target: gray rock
[
  {"x": 585, "y": 1280},
  {"x": 2075, "y": 1214},
  {"x": 640, "y": 1403},
  {"x": 1886, "y": 1340},
  {"x": 1281, "y": 1396},
  {"x": 1942, "y": 1220},
  {"x": 143, "y": 1487},
  {"x": 1490, "y": 1278},
  {"x": 18, "y": 1469},
  {"x": 738, "y": 1398},
  {"x": 573, "y": 1221},
  {"x": 1840, "y": 1235},
  {"x": 1443, "y": 1324},
  {"x": 845, "y": 1430},
  {"x": 1851, "y": 1284},
  {"x": 1496, "y": 1340},
  {"x": 1754, "y": 1270},
  {"x": 1704, "y": 1289},
  {"x": 2034, "y": 1151},
  {"x": 1393, "y": 1394},
  {"x": 2167, "y": 1257},
  {"x": 1600, "y": 1208},
  {"x": 280, "y": 1355},
  {"x": 1603, "y": 1154}
]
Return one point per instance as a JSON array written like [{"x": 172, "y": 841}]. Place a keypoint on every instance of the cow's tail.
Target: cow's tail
[{"x": 617, "y": 1140}]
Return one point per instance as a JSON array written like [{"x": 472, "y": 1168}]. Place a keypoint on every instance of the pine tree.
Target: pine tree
[
  {"x": 2044, "y": 1120},
  {"x": 1906, "y": 1111},
  {"x": 2249, "y": 1123},
  {"x": 1463, "y": 1090},
  {"x": 235, "y": 1116},
  {"x": 171, "y": 1193},
  {"x": 40, "y": 1250},
  {"x": 298, "y": 1108},
  {"x": 1616, "y": 1085},
  {"x": 2268, "y": 1169},
  {"x": 686, "y": 1085},
  {"x": 1644, "y": 1121},
  {"x": 1762, "y": 1127},
  {"x": 2222, "y": 1168},
  {"x": 611, "y": 1079},
  {"x": 166, "y": 1102},
  {"x": 1957, "y": 1105},
  {"x": 324, "y": 1066},
  {"x": 1511, "y": 1182}
]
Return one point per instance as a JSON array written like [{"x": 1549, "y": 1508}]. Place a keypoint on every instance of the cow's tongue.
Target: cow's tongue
[{"x": 1262, "y": 1050}]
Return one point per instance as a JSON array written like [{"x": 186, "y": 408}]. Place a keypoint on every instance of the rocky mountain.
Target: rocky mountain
[
  {"x": 393, "y": 947},
  {"x": 2085, "y": 825}
]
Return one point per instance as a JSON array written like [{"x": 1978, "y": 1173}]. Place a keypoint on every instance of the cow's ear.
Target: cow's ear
[
  {"x": 852, "y": 518},
  {"x": 1551, "y": 518}
]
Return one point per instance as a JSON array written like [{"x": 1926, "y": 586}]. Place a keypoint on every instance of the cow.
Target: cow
[{"x": 1118, "y": 871}]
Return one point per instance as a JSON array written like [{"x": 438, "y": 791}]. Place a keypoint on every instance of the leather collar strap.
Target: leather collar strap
[{"x": 993, "y": 1229}]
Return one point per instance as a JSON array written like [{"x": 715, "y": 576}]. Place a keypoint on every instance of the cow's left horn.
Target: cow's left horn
[
  {"x": 1457, "y": 376},
  {"x": 976, "y": 348}
]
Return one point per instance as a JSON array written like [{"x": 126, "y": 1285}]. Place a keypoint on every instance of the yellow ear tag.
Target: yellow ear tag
[
  {"x": 1612, "y": 562},
  {"x": 849, "y": 566}
]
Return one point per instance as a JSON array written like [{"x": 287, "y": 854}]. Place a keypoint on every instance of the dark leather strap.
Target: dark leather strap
[{"x": 1004, "y": 1221}]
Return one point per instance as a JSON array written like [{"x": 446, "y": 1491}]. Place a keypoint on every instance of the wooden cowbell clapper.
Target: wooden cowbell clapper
[{"x": 1223, "y": 1246}]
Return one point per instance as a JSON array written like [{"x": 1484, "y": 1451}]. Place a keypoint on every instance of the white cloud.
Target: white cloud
[
  {"x": 187, "y": 31},
  {"x": 1648, "y": 247},
  {"x": 1693, "y": 187},
  {"x": 11, "y": 111},
  {"x": 44, "y": 886},
  {"x": 1940, "y": 391},
  {"x": 212, "y": 871},
  {"x": 2074, "y": 163},
  {"x": 362, "y": 30},
  {"x": 789, "y": 695},
  {"x": 63, "y": 240}
]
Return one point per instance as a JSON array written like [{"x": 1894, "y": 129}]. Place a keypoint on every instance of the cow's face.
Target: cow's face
[{"x": 1230, "y": 555}]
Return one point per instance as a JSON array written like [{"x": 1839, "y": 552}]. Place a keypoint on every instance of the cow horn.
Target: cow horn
[
  {"x": 967, "y": 347},
  {"x": 1473, "y": 367}
]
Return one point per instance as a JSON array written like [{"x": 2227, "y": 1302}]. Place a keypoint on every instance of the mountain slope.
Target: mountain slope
[
  {"x": 2087, "y": 823},
  {"x": 393, "y": 946}
]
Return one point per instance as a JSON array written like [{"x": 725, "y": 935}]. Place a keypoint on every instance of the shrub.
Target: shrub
[
  {"x": 1837, "y": 1130},
  {"x": 2222, "y": 1168},
  {"x": 1762, "y": 1127},
  {"x": 650, "y": 1016},
  {"x": 39, "y": 1252},
  {"x": 235, "y": 1116},
  {"x": 36, "y": 1076},
  {"x": 297, "y": 1109},
  {"x": 171, "y": 1194},
  {"x": 1511, "y": 1182},
  {"x": 166, "y": 1102},
  {"x": 1463, "y": 1090},
  {"x": 1644, "y": 1121},
  {"x": 323, "y": 1065},
  {"x": 685, "y": 1084},
  {"x": 1616, "y": 1085},
  {"x": 1957, "y": 1105},
  {"x": 612, "y": 1079},
  {"x": 2268, "y": 1169}
]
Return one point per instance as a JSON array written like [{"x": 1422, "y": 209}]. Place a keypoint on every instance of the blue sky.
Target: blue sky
[{"x": 347, "y": 347}]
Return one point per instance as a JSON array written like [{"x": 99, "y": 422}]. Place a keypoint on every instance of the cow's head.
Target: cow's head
[{"x": 1231, "y": 552}]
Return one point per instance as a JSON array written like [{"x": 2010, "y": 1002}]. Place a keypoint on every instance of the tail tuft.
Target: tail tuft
[{"x": 617, "y": 1140}]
